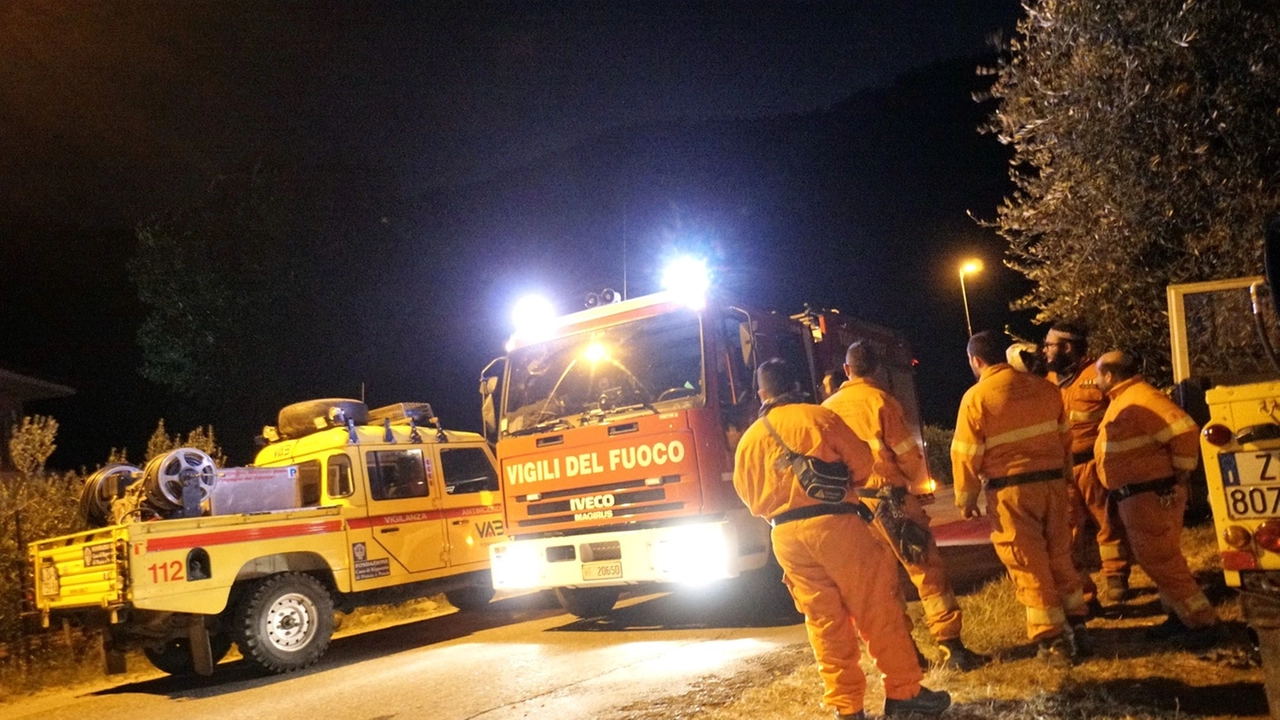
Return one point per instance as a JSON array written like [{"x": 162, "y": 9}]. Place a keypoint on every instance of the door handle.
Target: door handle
[
  {"x": 458, "y": 522},
  {"x": 384, "y": 531}
]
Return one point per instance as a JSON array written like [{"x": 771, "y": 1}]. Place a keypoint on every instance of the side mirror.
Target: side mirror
[
  {"x": 1271, "y": 259},
  {"x": 490, "y": 395}
]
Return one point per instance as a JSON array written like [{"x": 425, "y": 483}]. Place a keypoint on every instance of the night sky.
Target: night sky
[{"x": 820, "y": 152}]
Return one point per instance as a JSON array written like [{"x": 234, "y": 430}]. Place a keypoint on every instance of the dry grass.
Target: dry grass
[{"x": 1129, "y": 678}]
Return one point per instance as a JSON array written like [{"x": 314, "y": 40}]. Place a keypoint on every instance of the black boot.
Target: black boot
[{"x": 956, "y": 656}]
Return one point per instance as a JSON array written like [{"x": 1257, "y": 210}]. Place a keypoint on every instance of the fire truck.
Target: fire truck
[
  {"x": 615, "y": 429},
  {"x": 344, "y": 507},
  {"x": 1224, "y": 335}
]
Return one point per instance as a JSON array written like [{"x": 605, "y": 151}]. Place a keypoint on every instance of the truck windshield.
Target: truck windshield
[
  {"x": 573, "y": 380},
  {"x": 1223, "y": 342}
]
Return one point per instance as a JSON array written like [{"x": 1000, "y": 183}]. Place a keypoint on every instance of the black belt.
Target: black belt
[
  {"x": 1081, "y": 458},
  {"x": 1127, "y": 491},
  {"x": 811, "y": 511},
  {"x": 1023, "y": 479}
]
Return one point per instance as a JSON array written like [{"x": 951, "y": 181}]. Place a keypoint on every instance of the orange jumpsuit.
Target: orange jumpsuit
[
  {"x": 1012, "y": 432},
  {"x": 877, "y": 419},
  {"x": 842, "y": 576},
  {"x": 1085, "y": 404},
  {"x": 1146, "y": 438}
]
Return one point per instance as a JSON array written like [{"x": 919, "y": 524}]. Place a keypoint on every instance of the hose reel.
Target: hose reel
[
  {"x": 102, "y": 488},
  {"x": 169, "y": 476}
]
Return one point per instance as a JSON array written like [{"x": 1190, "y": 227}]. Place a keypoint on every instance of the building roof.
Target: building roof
[{"x": 27, "y": 389}]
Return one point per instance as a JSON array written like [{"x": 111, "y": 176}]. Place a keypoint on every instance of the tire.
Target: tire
[
  {"x": 300, "y": 419},
  {"x": 174, "y": 657},
  {"x": 588, "y": 602},
  {"x": 284, "y": 622},
  {"x": 471, "y": 598}
]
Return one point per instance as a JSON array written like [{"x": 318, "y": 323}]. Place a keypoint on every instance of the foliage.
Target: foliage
[
  {"x": 42, "y": 505},
  {"x": 1145, "y": 154},
  {"x": 32, "y": 442},
  {"x": 937, "y": 452},
  {"x": 201, "y": 438}
]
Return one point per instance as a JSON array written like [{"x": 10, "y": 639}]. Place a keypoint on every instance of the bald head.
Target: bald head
[{"x": 1115, "y": 367}]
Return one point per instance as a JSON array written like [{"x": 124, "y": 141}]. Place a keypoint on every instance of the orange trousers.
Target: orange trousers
[
  {"x": 845, "y": 581},
  {"x": 941, "y": 611},
  {"x": 1154, "y": 527},
  {"x": 1089, "y": 499},
  {"x": 1032, "y": 536}
]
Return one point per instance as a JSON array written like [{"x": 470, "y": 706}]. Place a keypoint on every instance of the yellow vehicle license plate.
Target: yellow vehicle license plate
[
  {"x": 1251, "y": 484},
  {"x": 602, "y": 570}
]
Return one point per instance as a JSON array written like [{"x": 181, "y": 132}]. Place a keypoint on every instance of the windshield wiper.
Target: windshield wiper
[
  {"x": 544, "y": 426},
  {"x": 642, "y": 405}
]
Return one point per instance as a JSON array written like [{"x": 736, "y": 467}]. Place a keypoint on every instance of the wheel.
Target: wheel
[
  {"x": 470, "y": 598},
  {"x": 284, "y": 622},
  {"x": 588, "y": 602},
  {"x": 174, "y": 656}
]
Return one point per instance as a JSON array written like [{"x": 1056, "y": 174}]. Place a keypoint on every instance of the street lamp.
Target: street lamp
[{"x": 968, "y": 268}]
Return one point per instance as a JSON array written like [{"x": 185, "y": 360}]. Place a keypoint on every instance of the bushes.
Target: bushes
[{"x": 937, "y": 452}]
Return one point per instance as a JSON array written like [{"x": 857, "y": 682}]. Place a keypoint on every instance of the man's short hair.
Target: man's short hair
[
  {"x": 862, "y": 358},
  {"x": 989, "y": 347},
  {"x": 776, "y": 377},
  {"x": 1124, "y": 366},
  {"x": 836, "y": 377}
]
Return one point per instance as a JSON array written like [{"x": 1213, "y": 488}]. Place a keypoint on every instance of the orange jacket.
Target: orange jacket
[
  {"x": 1085, "y": 403},
  {"x": 807, "y": 429},
  {"x": 1144, "y": 436},
  {"x": 1009, "y": 423},
  {"x": 876, "y": 417}
]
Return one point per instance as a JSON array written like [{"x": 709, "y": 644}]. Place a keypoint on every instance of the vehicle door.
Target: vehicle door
[
  {"x": 471, "y": 503},
  {"x": 404, "y": 516}
]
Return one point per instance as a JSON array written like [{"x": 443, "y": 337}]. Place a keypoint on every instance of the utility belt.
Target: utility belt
[
  {"x": 1161, "y": 486},
  {"x": 812, "y": 511},
  {"x": 1023, "y": 479},
  {"x": 1081, "y": 458}
]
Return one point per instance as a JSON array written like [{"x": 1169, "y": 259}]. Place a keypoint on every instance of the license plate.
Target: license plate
[
  {"x": 49, "y": 584},
  {"x": 1251, "y": 484},
  {"x": 602, "y": 570}
]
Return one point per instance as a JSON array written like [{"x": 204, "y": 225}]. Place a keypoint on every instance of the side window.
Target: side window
[
  {"x": 467, "y": 470},
  {"x": 732, "y": 365},
  {"x": 338, "y": 481},
  {"x": 309, "y": 483},
  {"x": 396, "y": 474}
]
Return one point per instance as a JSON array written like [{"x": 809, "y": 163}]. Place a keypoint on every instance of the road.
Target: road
[{"x": 524, "y": 658}]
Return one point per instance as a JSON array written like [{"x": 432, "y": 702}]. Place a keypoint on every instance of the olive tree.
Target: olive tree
[{"x": 1145, "y": 153}]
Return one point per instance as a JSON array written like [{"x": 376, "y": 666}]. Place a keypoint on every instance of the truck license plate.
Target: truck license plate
[
  {"x": 602, "y": 570},
  {"x": 1251, "y": 484},
  {"x": 49, "y": 585}
]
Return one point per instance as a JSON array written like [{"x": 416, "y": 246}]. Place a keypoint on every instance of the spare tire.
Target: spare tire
[{"x": 303, "y": 418}]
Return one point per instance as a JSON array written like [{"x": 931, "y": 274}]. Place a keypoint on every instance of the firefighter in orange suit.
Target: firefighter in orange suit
[
  {"x": 1147, "y": 447},
  {"x": 877, "y": 419},
  {"x": 1012, "y": 433},
  {"x": 1066, "y": 350},
  {"x": 841, "y": 576}
]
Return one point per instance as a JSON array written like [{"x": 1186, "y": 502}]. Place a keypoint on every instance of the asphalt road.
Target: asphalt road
[{"x": 523, "y": 658}]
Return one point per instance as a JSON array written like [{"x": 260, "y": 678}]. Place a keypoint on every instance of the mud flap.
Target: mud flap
[
  {"x": 113, "y": 660},
  {"x": 1262, "y": 613},
  {"x": 201, "y": 647}
]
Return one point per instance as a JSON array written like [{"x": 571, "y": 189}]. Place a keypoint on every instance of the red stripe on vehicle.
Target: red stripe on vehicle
[
  {"x": 424, "y": 516},
  {"x": 227, "y": 537}
]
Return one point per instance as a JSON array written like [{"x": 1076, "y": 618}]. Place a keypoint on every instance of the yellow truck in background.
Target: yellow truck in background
[
  {"x": 343, "y": 507},
  {"x": 1224, "y": 335}
]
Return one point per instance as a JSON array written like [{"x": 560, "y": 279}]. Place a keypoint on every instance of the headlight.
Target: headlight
[
  {"x": 695, "y": 554},
  {"x": 514, "y": 566}
]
